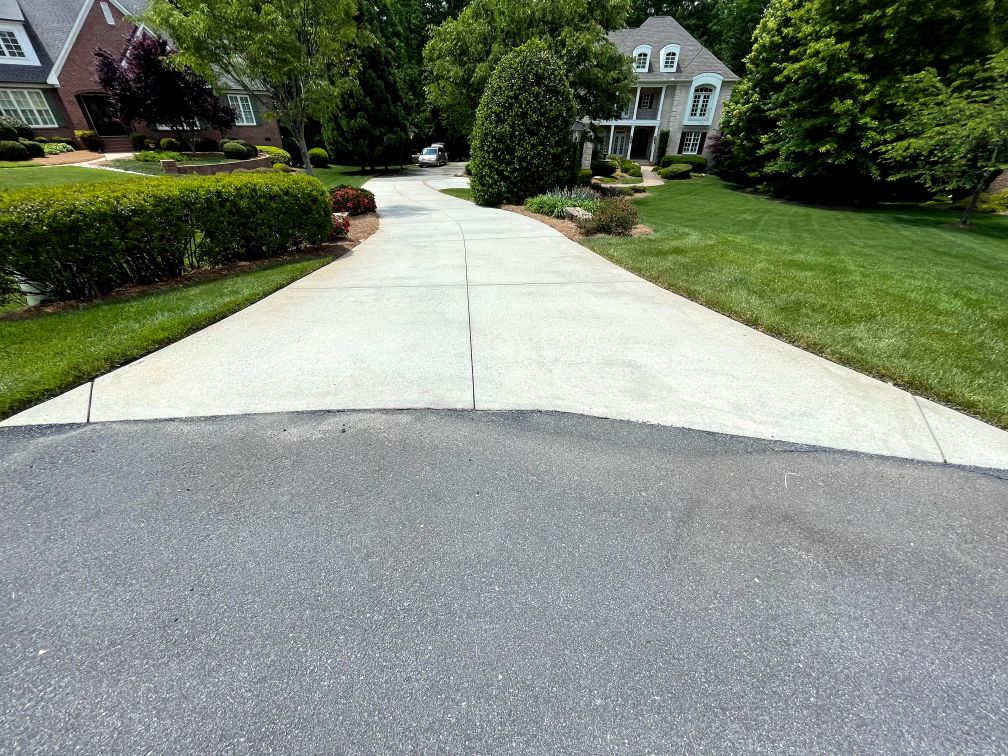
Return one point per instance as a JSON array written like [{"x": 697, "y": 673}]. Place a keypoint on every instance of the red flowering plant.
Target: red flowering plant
[
  {"x": 350, "y": 199},
  {"x": 340, "y": 228}
]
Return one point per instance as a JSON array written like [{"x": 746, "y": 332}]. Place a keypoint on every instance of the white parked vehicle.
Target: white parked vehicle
[{"x": 433, "y": 155}]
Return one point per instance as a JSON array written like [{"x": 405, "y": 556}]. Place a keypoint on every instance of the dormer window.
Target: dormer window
[
  {"x": 669, "y": 58},
  {"x": 15, "y": 49},
  {"x": 642, "y": 58},
  {"x": 9, "y": 45}
]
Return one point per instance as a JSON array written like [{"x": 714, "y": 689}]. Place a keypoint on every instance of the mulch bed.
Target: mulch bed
[
  {"x": 566, "y": 227},
  {"x": 361, "y": 227},
  {"x": 67, "y": 158}
]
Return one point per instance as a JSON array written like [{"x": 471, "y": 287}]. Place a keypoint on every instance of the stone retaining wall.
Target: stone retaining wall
[{"x": 209, "y": 169}]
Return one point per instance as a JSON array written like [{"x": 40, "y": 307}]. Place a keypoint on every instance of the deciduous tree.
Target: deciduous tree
[
  {"x": 293, "y": 55},
  {"x": 464, "y": 51}
]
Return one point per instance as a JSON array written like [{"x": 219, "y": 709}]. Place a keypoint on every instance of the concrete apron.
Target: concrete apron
[{"x": 455, "y": 306}]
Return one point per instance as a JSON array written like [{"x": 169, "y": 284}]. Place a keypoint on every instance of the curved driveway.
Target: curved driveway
[{"x": 455, "y": 306}]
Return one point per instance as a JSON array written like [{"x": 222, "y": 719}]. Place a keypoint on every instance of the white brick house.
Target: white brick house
[{"x": 681, "y": 87}]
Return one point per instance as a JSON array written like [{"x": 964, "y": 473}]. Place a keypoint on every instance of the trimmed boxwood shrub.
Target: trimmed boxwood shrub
[
  {"x": 350, "y": 199},
  {"x": 278, "y": 155},
  {"x": 234, "y": 150},
  {"x": 521, "y": 140},
  {"x": 34, "y": 148},
  {"x": 90, "y": 140},
  {"x": 604, "y": 168},
  {"x": 697, "y": 163},
  {"x": 629, "y": 167},
  {"x": 11, "y": 150},
  {"x": 85, "y": 240},
  {"x": 318, "y": 157},
  {"x": 169, "y": 144},
  {"x": 675, "y": 171},
  {"x": 20, "y": 129}
]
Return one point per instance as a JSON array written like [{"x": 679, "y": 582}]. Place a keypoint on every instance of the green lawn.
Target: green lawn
[
  {"x": 45, "y": 355},
  {"x": 462, "y": 193},
  {"x": 43, "y": 175},
  {"x": 897, "y": 291},
  {"x": 350, "y": 174}
]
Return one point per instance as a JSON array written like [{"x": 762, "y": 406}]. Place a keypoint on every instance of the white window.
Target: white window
[
  {"x": 28, "y": 105},
  {"x": 691, "y": 142},
  {"x": 700, "y": 106},
  {"x": 647, "y": 100},
  {"x": 669, "y": 58},
  {"x": 15, "y": 48},
  {"x": 244, "y": 114},
  {"x": 642, "y": 58}
]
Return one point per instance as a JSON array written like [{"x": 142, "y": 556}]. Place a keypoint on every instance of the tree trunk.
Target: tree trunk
[
  {"x": 967, "y": 214},
  {"x": 303, "y": 146}
]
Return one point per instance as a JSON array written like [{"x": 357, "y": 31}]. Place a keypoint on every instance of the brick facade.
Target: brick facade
[{"x": 78, "y": 76}]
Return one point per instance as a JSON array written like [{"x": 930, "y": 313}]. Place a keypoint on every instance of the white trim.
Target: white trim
[
  {"x": 636, "y": 104},
  {"x": 107, "y": 12},
  {"x": 61, "y": 59},
  {"x": 21, "y": 35},
  {"x": 661, "y": 59},
  {"x": 707, "y": 79}
]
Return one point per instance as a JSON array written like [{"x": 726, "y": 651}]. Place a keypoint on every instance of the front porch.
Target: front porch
[{"x": 634, "y": 141}]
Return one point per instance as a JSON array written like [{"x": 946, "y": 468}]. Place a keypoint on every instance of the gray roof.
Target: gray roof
[
  {"x": 659, "y": 31},
  {"x": 49, "y": 23},
  {"x": 10, "y": 10}
]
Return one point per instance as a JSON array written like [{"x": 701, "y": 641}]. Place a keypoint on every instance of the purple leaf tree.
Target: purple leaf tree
[{"x": 145, "y": 86}]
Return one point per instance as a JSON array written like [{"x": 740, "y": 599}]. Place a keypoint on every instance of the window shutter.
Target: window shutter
[
  {"x": 682, "y": 142},
  {"x": 703, "y": 138}
]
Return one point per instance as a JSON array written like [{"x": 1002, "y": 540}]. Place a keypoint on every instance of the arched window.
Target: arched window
[
  {"x": 642, "y": 58},
  {"x": 669, "y": 58},
  {"x": 701, "y": 103}
]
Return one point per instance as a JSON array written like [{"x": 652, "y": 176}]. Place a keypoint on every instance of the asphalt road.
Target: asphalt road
[{"x": 480, "y": 582}]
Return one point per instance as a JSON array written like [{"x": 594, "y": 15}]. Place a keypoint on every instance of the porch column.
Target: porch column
[
  {"x": 629, "y": 149},
  {"x": 636, "y": 103},
  {"x": 655, "y": 157},
  {"x": 612, "y": 135}
]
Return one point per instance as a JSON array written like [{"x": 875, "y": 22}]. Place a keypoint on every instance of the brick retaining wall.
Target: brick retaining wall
[{"x": 209, "y": 169}]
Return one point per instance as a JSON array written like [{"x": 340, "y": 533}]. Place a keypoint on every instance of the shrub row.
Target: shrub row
[
  {"x": 697, "y": 162},
  {"x": 629, "y": 167},
  {"x": 12, "y": 129},
  {"x": 85, "y": 240}
]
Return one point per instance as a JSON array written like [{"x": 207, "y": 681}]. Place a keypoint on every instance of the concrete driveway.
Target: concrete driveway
[{"x": 454, "y": 306}]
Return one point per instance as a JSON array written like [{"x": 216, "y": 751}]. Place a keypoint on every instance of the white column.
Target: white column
[
  {"x": 654, "y": 145},
  {"x": 612, "y": 135},
  {"x": 629, "y": 147},
  {"x": 636, "y": 104}
]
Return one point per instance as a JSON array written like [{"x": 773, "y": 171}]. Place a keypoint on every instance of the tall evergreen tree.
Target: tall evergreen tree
[{"x": 370, "y": 127}]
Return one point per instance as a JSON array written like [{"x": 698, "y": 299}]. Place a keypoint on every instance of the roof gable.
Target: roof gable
[{"x": 659, "y": 31}]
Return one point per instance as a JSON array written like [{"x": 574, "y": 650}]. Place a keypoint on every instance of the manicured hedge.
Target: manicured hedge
[
  {"x": 352, "y": 200},
  {"x": 675, "y": 171},
  {"x": 278, "y": 155},
  {"x": 697, "y": 162},
  {"x": 318, "y": 157},
  {"x": 11, "y": 150},
  {"x": 85, "y": 240}
]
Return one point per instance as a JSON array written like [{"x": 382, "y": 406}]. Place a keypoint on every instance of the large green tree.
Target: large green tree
[
  {"x": 817, "y": 101},
  {"x": 294, "y": 55},
  {"x": 371, "y": 125},
  {"x": 464, "y": 51},
  {"x": 955, "y": 136},
  {"x": 521, "y": 141}
]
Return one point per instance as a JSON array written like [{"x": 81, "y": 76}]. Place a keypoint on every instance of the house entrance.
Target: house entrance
[{"x": 100, "y": 113}]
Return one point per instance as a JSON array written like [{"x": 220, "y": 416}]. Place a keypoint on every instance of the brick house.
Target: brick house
[
  {"x": 47, "y": 70},
  {"x": 681, "y": 88}
]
